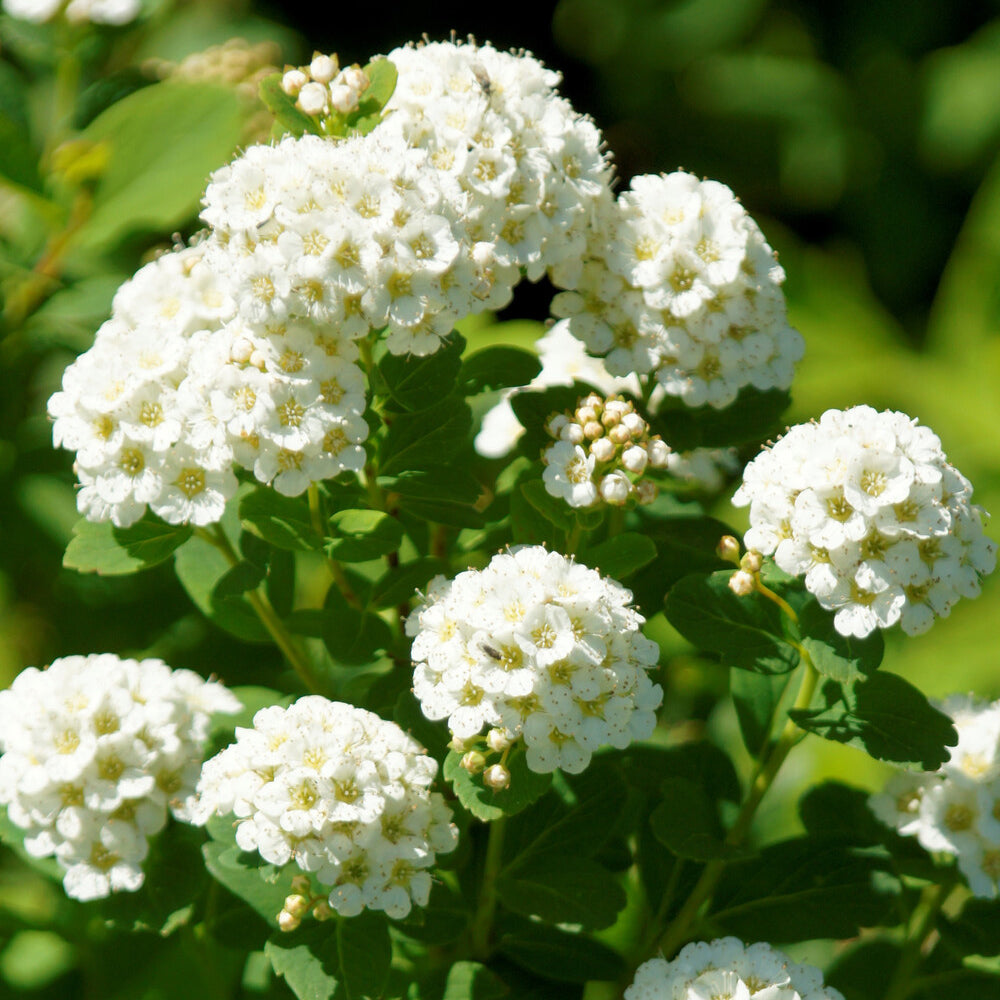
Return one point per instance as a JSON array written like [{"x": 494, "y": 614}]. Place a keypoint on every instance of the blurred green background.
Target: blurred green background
[{"x": 863, "y": 136}]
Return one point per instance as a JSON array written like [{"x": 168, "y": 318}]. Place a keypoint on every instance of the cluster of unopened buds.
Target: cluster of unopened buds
[
  {"x": 744, "y": 581},
  {"x": 601, "y": 452},
  {"x": 301, "y": 901},
  {"x": 323, "y": 88},
  {"x": 476, "y": 754}
]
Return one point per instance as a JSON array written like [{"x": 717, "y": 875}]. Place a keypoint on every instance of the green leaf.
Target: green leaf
[
  {"x": 360, "y": 535},
  {"x": 433, "y": 736},
  {"x": 756, "y": 698},
  {"x": 800, "y": 889},
  {"x": 382, "y": 76},
  {"x": 885, "y": 716},
  {"x": 307, "y": 960},
  {"x": 13, "y": 837},
  {"x": 18, "y": 157},
  {"x": 556, "y": 954},
  {"x": 525, "y": 787},
  {"x": 259, "y": 885},
  {"x": 284, "y": 522},
  {"x": 976, "y": 930},
  {"x": 445, "y": 485},
  {"x": 553, "y": 509},
  {"x": 687, "y": 822},
  {"x": 497, "y": 367},
  {"x": 163, "y": 142},
  {"x": 562, "y": 888},
  {"x": 753, "y": 416},
  {"x": 99, "y": 547},
  {"x": 282, "y": 106},
  {"x": 364, "y": 952},
  {"x": 529, "y": 527},
  {"x": 747, "y": 631},
  {"x": 620, "y": 556},
  {"x": 472, "y": 981},
  {"x": 863, "y": 970},
  {"x": 645, "y": 767},
  {"x": 426, "y": 439},
  {"x": 201, "y": 567},
  {"x": 445, "y": 918},
  {"x": 352, "y": 635},
  {"x": 550, "y": 828},
  {"x": 841, "y": 658},
  {"x": 835, "y": 809},
  {"x": 684, "y": 544},
  {"x": 418, "y": 383},
  {"x": 70, "y": 317}
]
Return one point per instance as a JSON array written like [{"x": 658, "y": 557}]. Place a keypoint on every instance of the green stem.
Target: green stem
[
  {"x": 269, "y": 618},
  {"x": 482, "y": 923},
  {"x": 335, "y": 569},
  {"x": 573, "y": 538},
  {"x": 678, "y": 931},
  {"x": 921, "y": 927},
  {"x": 776, "y": 598}
]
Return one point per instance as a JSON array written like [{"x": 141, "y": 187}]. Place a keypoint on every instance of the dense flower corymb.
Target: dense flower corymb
[
  {"x": 540, "y": 648},
  {"x": 96, "y": 749},
  {"x": 867, "y": 508},
  {"x": 956, "y": 809},
  {"x": 341, "y": 793},
  {"x": 729, "y": 970}
]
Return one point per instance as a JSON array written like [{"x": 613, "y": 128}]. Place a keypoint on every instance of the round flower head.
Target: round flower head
[
  {"x": 176, "y": 391},
  {"x": 540, "y": 648},
  {"x": 866, "y": 507},
  {"x": 342, "y": 794},
  {"x": 96, "y": 749},
  {"x": 728, "y": 968},
  {"x": 956, "y": 809},
  {"x": 98, "y": 11},
  {"x": 678, "y": 281}
]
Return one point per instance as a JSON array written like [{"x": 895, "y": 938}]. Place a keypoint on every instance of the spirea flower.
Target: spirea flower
[
  {"x": 866, "y": 507},
  {"x": 177, "y": 391},
  {"x": 727, "y": 968},
  {"x": 513, "y": 159},
  {"x": 543, "y": 649},
  {"x": 956, "y": 809},
  {"x": 678, "y": 281},
  {"x": 601, "y": 451},
  {"x": 98, "y": 11},
  {"x": 341, "y": 793},
  {"x": 96, "y": 750}
]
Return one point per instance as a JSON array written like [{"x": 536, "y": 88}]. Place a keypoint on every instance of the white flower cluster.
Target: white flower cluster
[
  {"x": 96, "y": 749},
  {"x": 177, "y": 390},
  {"x": 540, "y": 647},
  {"x": 728, "y": 968},
  {"x": 97, "y": 11},
  {"x": 339, "y": 791},
  {"x": 322, "y": 87},
  {"x": 678, "y": 281},
  {"x": 866, "y": 506},
  {"x": 601, "y": 451},
  {"x": 956, "y": 809},
  {"x": 516, "y": 164}
]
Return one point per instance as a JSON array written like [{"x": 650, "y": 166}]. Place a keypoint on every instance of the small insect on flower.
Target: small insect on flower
[
  {"x": 493, "y": 654},
  {"x": 482, "y": 78}
]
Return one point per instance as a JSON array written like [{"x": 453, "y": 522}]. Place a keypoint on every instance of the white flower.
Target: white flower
[
  {"x": 728, "y": 968},
  {"x": 541, "y": 647},
  {"x": 341, "y": 793},
  {"x": 956, "y": 809},
  {"x": 96, "y": 749},
  {"x": 568, "y": 469},
  {"x": 865, "y": 506}
]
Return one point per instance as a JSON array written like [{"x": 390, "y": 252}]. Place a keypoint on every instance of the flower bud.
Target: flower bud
[
  {"x": 572, "y": 433},
  {"x": 647, "y": 491},
  {"x": 619, "y": 434},
  {"x": 659, "y": 452},
  {"x": 296, "y": 906},
  {"x": 456, "y": 744},
  {"x": 293, "y": 81},
  {"x": 473, "y": 762},
  {"x": 497, "y": 777},
  {"x": 615, "y": 488},
  {"x": 592, "y": 430},
  {"x": 322, "y": 910},
  {"x": 728, "y": 549},
  {"x": 602, "y": 449},
  {"x": 323, "y": 68},
  {"x": 499, "y": 740},
  {"x": 611, "y": 417},
  {"x": 741, "y": 583},
  {"x": 301, "y": 885},
  {"x": 635, "y": 424},
  {"x": 586, "y": 414},
  {"x": 312, "y": 99},
  {"x": 343, "y": 98},
  {"x": 355, "y": 78},
  {"x": 556, "y": 424},
  {"x": 241, "y": 350},
  {"x": 752, "y": 562},
  {"x": 287, "y": 922},
  {"x": 634, "y": 459}
]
